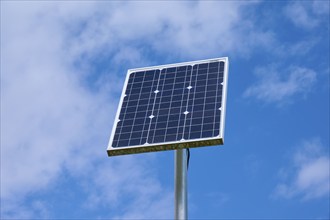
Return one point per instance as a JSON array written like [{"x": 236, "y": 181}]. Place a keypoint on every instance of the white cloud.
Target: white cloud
[
  {"x": 165, "y": 29},
  {"x": 280, "y": 82},
  {"x": 126, "y": 184},
  {"x": 46, "y": 115},
  {"x": 298, "y": 49},
  {"x": 321, "y": 7},
  {"x": 309, "y": 176},
  {"x": 278, "y": 85},
  {"x": 51, "y": 121},
  {"x": 307, "y": 14}
]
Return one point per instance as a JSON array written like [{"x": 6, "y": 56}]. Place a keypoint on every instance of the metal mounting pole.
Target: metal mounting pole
[{"x": 180, "y": 183}]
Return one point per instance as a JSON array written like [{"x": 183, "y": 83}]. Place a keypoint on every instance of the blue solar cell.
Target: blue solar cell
[{"x": 170, "y": 104}]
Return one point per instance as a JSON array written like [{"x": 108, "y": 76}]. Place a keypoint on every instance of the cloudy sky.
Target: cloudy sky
[{"x": 63, "y": 66}]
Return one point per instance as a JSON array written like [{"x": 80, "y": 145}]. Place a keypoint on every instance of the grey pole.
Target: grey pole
[{"x": 180, "y": 183}]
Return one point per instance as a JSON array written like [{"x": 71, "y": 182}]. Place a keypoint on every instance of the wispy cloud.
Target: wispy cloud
[
  {"x": 47, "y": 116},
  {"x": 286, "y": 78},
  {"x": 300, "y": 15},
  {"x": 164, "y": 30},
  {"x": 307, "y": 14},
  {"x": 58, "y": 85},
  {"x": 277, "y": 85},
  {"x": 129, "y": 189},
  {"x": 308, "y": 175}
]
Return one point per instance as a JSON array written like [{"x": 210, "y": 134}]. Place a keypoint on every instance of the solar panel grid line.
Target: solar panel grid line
[
  {"x": 184, "y": 114},
  {"x": 215, "y": 103},
  {"x": 171, "y": 103},
  {"x": 205, "y": 99},
  {"x": 178, "y": 87},
  {"x": 182, "y": 85},
  {"x": 188, "y": 106},
  {"x": 153, "y": 123},
  {"x": 193, "y": 100},
  {"x": 120, "y": 130},
  {"x": 153, "y": 106},
  {"x": 189, "y": 88},
  {"x": 118, "y": 113},
  {"x": 160, "y": 98},
  {"x": 207, "y": 117},
  {"x": 143, "y": 114},
  {"x": 139, "y": 131},
  {"x": 168, "y": 116},
  {"x": 196, "y": 121},
  {"x": 134, "y": 119}
]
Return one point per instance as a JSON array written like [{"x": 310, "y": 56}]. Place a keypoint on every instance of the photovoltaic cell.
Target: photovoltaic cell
[{"x": 171, "y": 106}]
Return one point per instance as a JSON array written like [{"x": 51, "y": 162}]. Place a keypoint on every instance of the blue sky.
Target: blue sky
[{"x": 63, "y": 66}]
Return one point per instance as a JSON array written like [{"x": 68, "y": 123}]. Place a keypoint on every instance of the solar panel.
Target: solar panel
[{"x": 171, "y": 107}]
